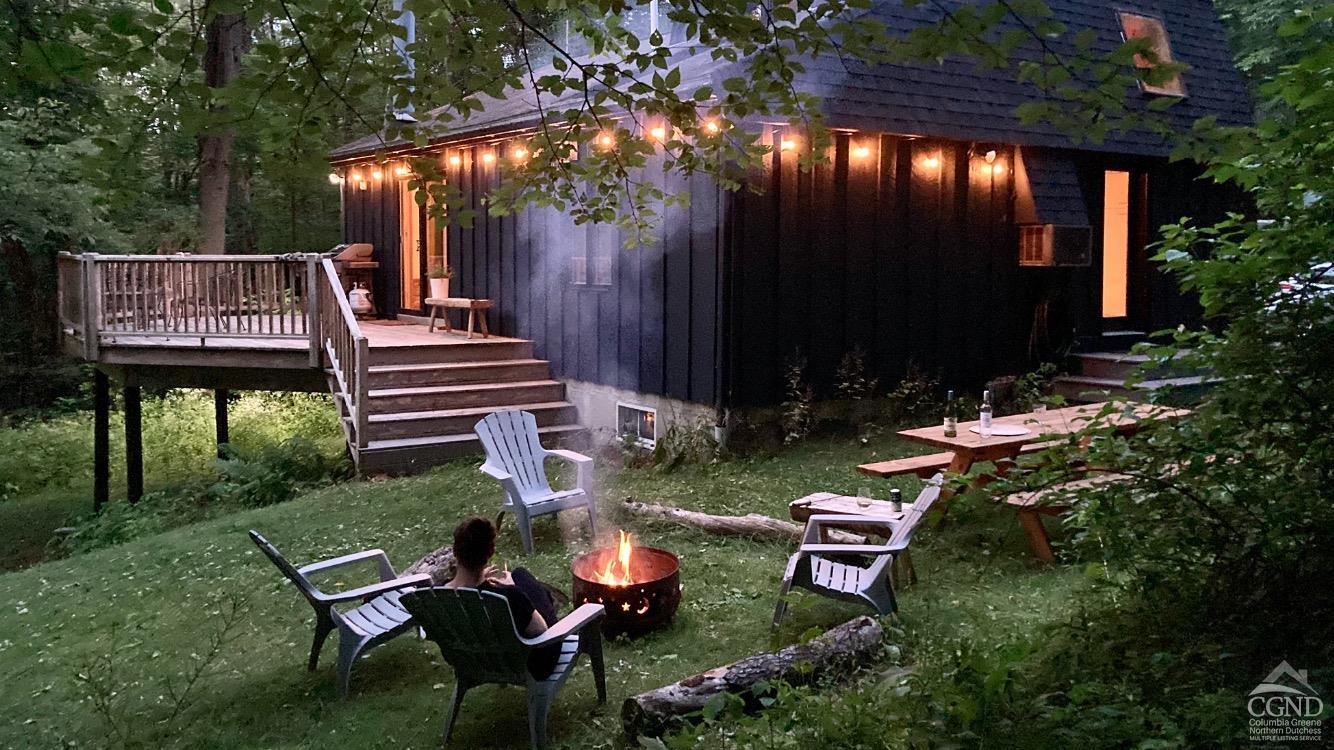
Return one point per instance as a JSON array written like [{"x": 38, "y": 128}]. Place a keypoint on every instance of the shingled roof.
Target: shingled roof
[{"x": 956, "y": 99}]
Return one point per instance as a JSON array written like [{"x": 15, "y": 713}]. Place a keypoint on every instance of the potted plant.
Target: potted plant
[{"x": 440, "y": 276}]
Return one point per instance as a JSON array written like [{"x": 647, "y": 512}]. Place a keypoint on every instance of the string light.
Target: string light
[
  {"x": 787, "y": 144},
  {"x": 931, "y": 162},
  {"x": 377, "y": 174},
  {"x": 402, "y": 170},
  {"x": 455, "y": 160},
  {"x": 606, "y": 140},
  {"x": 998, "y": 169},
  {"x": 861, "y": 152},
  {"x": 659, "y": 133},
  {"x": 488, "y": 157},
  {"x": 712, "y": 126},
  {"x": 519, "y": 153},
  {"x": 335, "y": 178}
]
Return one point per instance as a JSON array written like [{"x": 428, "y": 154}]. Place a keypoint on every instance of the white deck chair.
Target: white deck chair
[
  {"x": 814, "y": 568},
  {"x": 516, "y": 459},
  {"x": 478, "y": 637}
]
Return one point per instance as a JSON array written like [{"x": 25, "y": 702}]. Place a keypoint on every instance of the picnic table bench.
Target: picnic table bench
[{"x": 442, "y": 306}]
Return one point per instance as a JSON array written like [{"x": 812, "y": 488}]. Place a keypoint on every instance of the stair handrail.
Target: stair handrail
[{"x": 348, "y": 352}]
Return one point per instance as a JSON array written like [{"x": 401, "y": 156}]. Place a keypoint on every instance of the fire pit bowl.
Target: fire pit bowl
[{"x": 646, "y": 602}]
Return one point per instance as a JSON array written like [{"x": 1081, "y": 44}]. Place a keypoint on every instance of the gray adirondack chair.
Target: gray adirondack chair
[
  {"x": 816, "y": 566},
  {"x": 478, "y": 637},
  {"x": 378, "y": 618},
  {"x": 516, "y": 459}
]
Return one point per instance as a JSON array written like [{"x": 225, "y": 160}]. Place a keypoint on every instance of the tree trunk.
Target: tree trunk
[
  {"x": 39, "y": 336},
  {"x": 228, "y": 39},
  {"x": 751, "y": 525},
  {"x": 855, "y": 643}
]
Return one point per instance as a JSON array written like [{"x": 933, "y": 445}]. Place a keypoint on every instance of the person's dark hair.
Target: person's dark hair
[{"x": 474, "y": 542}]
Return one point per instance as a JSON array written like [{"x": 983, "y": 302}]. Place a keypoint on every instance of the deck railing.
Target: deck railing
[
  {"x": 210, "y": 296},
  {"x": 220, "y": 301},
  {"x": 347, "y": 350}
]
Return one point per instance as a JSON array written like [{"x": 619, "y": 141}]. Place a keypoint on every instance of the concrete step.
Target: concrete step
[
  {"x": 417, "y": 454},
  {"x": 434, "y": 397},
  {"x": 441, "y": 422},
  {"x": 1087, "y": 389},
  {"x": 477, "y": 350},
  {"x": 434, "y": 373}
]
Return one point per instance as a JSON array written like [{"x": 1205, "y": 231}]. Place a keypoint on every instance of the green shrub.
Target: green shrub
[{"x": 246, "y": 478}]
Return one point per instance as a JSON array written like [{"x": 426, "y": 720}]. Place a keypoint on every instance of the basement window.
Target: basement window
[
  {"x": 638, "y": 424},
  {"x": 1135, "y": 26}
]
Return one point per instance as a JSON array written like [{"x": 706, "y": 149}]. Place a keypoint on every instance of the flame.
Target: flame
[{"x": 617, "y": 570}]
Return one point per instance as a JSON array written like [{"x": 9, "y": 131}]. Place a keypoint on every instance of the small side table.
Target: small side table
[{"x": 442, "y": 306}]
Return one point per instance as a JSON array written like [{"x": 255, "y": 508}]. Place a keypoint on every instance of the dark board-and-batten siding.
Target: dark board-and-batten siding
[
  {"x": 653, "y": 329},
  {"x": 911, "y": 261}
]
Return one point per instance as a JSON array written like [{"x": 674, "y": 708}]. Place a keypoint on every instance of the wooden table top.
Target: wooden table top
[
  {"x": 828, "y": 502},
  {"x": 1045, "y": 426}
]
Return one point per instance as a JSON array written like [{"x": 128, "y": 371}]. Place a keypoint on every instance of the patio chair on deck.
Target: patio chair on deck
[
  {"x": 516, "y": 459},
  {"x": 376, "y": 620},
  {"x": 822, "y": 568},
  {"x": 478, "y": 637}
]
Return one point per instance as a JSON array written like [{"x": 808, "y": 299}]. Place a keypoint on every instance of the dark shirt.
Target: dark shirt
[{"x": 540, "y": 661}]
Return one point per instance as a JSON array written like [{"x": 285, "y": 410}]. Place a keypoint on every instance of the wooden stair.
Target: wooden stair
[
  {"x": 1101, "y": 376},
  {"x": 423, "y": 401}
]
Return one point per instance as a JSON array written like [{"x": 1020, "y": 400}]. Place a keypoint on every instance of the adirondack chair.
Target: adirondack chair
[
  {"x": 378, "y": 618},
  {"x": 516, "y": 459},
  {"x": 477, "y": 635},
  {"x": 817, "y": 566}
]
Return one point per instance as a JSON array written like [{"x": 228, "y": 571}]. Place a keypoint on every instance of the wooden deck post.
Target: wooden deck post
[
  {"x": 220, "y": 418},
  {"x": 134, "y": 445},
  {"x": 101, "y": 440}
]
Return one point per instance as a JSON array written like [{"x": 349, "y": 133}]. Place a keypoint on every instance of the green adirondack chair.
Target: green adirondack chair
[{"x": 478, "y": 638}]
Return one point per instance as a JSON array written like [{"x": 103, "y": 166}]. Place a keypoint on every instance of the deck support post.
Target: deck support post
[
  {"x": 101, "y": 440},
  {"x": 134, "y": 445},
  {"x": 220, "y": 419}
]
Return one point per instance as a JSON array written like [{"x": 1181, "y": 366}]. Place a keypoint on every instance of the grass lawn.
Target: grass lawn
[{"x": 149, "y": 608}]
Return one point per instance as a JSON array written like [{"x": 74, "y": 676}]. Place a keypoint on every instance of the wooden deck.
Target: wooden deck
[{"x": 408, "y": 396}]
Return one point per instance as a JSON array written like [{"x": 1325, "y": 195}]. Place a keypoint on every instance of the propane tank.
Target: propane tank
[{"x": 359, "y": 299}]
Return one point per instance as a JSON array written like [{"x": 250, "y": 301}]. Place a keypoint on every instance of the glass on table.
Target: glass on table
[{"x": 864, "y": 498}]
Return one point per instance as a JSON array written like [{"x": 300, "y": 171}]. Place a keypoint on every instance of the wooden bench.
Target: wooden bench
[
  {"x": 926, "y": 466},
  {"x": 443, "y": 305},
  {"x": 1034, "y": 504}
]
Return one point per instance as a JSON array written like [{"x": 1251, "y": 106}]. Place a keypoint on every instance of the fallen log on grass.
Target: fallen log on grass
[
  {"x": 841, "y": 650},
  {"x": 750, "y": 525}
]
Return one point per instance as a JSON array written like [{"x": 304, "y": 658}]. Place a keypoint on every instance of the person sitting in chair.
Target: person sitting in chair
[{"x": 530, "y": 603}]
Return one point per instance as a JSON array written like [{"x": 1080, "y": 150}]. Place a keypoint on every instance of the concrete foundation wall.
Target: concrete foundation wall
[{"x": 597, "y": 408}]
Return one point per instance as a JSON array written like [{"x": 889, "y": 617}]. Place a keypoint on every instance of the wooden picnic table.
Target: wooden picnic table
[{"x": 969, "y": 448}]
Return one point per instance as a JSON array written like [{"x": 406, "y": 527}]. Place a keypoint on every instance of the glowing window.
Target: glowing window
[{"x": 1134, "y": 26}]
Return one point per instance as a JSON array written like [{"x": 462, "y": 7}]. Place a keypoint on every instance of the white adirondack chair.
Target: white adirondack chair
[
  {"x": 478, "y": 637},
  {"x": 516, "y": 459},
  {"x": 814, "y": 567},
  {"x": 376, "y": 617}
]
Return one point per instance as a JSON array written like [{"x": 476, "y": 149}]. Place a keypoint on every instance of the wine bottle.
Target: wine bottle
[
  {"x": 951, "y": 416},
  {"x": 984, "y": 415},
  {"x": 896, "y": 499}
]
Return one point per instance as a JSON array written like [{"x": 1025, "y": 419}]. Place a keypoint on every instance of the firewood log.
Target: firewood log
[
  {"x": 751, "y": 524},
  {"x": 856, "y": 643}
]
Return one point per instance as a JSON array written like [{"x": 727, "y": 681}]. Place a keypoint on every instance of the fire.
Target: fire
[{"x": 617, "y": 570}]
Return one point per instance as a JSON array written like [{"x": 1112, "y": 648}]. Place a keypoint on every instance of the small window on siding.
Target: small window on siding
[
  {"x": 637, "y": 424},
  {"x": 1135, "y": 26},
  {"x": 596, "y": 266}
]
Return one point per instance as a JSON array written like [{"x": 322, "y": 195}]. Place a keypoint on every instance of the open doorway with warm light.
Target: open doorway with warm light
[{"x": 1123, "y": 264}]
